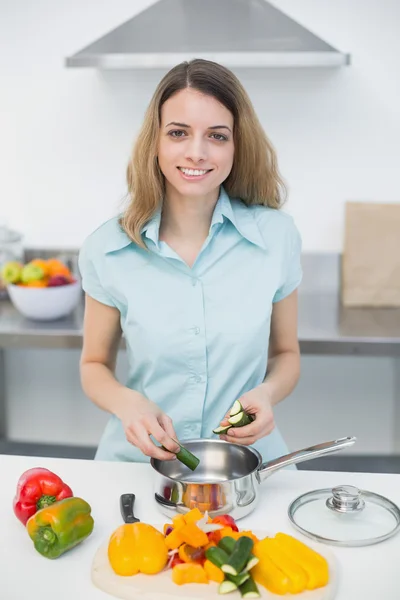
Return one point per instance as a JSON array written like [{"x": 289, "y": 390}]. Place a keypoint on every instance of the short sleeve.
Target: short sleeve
[
  {"x": 293, "y": 272},
  {"x": 91, "y": 282}
]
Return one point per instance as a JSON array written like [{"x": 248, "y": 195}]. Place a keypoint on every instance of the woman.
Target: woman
[{"x": 199, "y": 274}]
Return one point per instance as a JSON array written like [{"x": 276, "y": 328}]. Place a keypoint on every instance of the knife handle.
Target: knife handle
[{"x": 127, "y": 502}]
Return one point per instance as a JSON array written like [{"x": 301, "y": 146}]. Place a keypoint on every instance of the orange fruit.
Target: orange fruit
[
  {"x": 37, "y": 283},
  {"x": 56, "y": 267}
]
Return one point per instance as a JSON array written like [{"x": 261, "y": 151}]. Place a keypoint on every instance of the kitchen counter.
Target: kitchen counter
[
  {"x": 365, "y": 573},
  {"x": 325, "y": 327}
]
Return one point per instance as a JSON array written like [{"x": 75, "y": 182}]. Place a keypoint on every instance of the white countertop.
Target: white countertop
[{"x": 366, "y": 573}]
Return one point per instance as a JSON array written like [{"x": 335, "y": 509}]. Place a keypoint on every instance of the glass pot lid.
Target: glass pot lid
[{"x": 345, "y": 516}]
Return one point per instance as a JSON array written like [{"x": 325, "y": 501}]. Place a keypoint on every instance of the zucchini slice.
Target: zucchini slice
[
  {"x": 226, "y": 587},
  {"x": 227, "y": 544},
  {"x": 249, "y": 589},
  {"x": 185, "y": 456},
  {"x": 236, "y": 408},
  {"x": 221, "y": 430},
  {"x": 240, "y": 420},
  {"x": 239, "y": 557}
]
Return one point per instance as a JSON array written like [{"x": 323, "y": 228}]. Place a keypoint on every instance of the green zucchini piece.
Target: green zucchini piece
[
  {"x": 185, "y": 456},
  {"x": 249, "y": 589},
  {"x": 226, "y": 587},
  {"x": 253, "y": 560},
  {"x": 219, "y": 557},
  {"x": 240, "y": 420},
  {"x": 228, "y": 543},
  {"x": 239, "y": 557},
  {"x": 236, "y": 408},
  {"x": 221, "y": 430}
]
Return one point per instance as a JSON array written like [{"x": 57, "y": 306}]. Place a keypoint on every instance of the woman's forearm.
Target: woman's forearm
[
  {"x": 283, "y": 373},
  {"x": 101, "y": 386}
]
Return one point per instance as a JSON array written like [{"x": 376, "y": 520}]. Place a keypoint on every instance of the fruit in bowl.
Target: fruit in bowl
[{"x": 42, "y": 289}]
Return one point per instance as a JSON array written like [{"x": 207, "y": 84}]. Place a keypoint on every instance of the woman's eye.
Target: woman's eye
[
  {"x": 176, "y": 133},
  {"x": 219, "y": 137}
]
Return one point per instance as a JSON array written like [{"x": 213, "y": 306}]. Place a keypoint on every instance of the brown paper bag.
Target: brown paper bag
[{"x": 371, "y": 255}]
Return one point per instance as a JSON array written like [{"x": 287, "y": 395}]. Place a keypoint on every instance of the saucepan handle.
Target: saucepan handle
[{"x": 268, "y": 468}]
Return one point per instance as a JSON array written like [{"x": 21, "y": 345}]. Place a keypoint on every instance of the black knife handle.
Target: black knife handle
[{"x": 127, "y": 502}]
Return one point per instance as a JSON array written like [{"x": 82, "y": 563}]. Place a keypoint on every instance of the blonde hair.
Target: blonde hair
[{"x": 254, "y": 177}]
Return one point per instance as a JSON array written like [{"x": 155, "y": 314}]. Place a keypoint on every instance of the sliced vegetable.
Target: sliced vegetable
[
  {"x": 226, "y": 521},
  {"x": 239, "y": 557},
  {"x": 191, "y": 534},
  {"x": 268, "y": 574},
  {"x": 189, "y": 554},
  {"x": 219, "y": 557},
  {"x": 249, "y": 589},
  {"x": 289, "y": 566},
  {"x": 236, "y": 408},
  {"x": 173, "y": 540},
  {"x": 213, "y": 572},
  {"x": 193, "y": 516},
  {"x": 222, "y": 429},
  {"x": 189, "y": 573},
  {"x": 240, "y": 420},
  {"x": 227, "y": 544},
  {"x": 315, "y": 565},
  {"x": 185, "y": 456},
  {"x": 226, "y": 587}
]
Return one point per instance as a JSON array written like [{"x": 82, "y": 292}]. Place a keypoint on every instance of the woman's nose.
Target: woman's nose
[{"x": 196, "y": 150}]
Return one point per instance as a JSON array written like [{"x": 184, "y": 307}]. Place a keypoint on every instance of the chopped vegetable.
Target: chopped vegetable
[
  {"x": 226, "y": 587},
  {"x": 222, "y": 429},
  {"x": 188, "y": 553},
  {"x": 239, "y": 557},
  {"x": 268, "y": 574},
  {"x": 189, "y": 573},
  {"x": 236, "y": 408},
  {"x": 213, "y": 572},
  {"x": 315, "y": 565},
  {"x": 191, "y": 534},
  {"x": 240, "y": 420},
  {"x": 249, "y": 589},
  {"x": 289, "y": 566},
  {"x": 185, "y": 456},
  {"x": 173, "y": 540}
]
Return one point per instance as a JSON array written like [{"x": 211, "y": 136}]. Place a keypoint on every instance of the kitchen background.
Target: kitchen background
[{"x": 66, "y": 135}]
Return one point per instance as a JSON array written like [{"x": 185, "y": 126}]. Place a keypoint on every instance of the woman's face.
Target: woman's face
[{"x": 195, "y": 150}]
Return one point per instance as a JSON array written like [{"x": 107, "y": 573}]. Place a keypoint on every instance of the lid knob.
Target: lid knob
[{"x": 346, "y": 499}]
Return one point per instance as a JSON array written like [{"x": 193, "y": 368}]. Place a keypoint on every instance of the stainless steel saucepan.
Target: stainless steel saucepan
[{"x": 227, "y": 478}]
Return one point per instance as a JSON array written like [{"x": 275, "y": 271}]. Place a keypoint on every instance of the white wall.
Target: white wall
[{"x": 66, "y": 133}]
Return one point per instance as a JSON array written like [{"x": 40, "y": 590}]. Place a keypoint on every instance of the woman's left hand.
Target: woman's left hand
[{"x": 256, "y": 402}]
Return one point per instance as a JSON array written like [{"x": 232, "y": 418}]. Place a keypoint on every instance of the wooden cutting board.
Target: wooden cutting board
[{"x": 161, "y": 586}]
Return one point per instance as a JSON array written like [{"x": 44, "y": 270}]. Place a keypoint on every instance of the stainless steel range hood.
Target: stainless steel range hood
[{"x": 236, "y": 33}]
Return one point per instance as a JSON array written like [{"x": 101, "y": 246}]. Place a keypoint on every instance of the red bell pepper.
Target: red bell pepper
[
  {"x": 36, "y": 489},
  {"x": 226, "y": 521}
]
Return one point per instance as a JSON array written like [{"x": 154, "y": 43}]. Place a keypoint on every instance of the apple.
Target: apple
[
  {"x": 11, "y": 272},
  {"x": 31, "y": 272}
]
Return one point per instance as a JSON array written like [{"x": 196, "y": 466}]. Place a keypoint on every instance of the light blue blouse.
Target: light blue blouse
[{"x": 197, "y": 338}]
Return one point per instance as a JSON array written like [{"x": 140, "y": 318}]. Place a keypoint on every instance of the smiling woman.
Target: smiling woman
[{"x": 199, "y": 273}]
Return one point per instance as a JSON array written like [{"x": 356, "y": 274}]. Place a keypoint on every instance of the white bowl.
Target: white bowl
[{"x": 45, "y": 304}]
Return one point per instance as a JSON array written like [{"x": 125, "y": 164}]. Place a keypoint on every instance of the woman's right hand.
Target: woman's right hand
[{"x": 141, "y": 418}]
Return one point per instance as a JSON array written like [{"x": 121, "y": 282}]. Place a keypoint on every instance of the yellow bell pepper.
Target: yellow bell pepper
[
  {"x": 137, "y": 548},
  {"x": 315, "y": 565},
  {"x": 298, "y": 578},
  {"x": 268, "y": 574}
]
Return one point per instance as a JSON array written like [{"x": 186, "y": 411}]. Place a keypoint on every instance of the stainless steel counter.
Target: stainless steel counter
[{"x": 325, "y": 327}]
